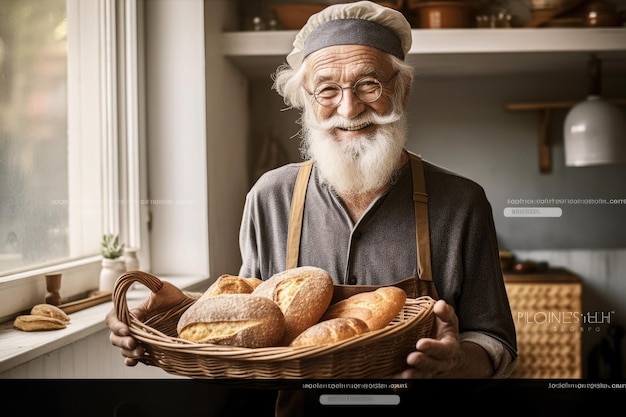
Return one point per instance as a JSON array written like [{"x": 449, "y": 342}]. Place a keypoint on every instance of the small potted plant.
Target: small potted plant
[{"x": 112, "y": 261}]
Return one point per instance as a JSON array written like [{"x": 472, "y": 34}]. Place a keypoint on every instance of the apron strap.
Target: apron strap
[
  {"x": 296, "y": 214},
  {"x": 422, "y": 230}
]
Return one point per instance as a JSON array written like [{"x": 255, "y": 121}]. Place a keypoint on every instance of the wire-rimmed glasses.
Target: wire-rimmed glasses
[{"x": 367, "y": 89}]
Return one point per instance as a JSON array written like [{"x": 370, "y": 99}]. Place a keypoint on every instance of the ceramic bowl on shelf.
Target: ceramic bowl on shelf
[
  {"x": 397, "y": 5},
  {"x": 294, "y": 16},
  {"x": 443, "y": 14}
]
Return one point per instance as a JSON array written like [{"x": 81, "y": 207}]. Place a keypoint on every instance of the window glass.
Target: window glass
[{"x": 34, "y": 153}]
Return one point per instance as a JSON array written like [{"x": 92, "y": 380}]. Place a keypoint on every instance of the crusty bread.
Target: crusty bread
[
  {"x": 48, "y": 310},
  {"x": 231, "y": 284},
  {"x": 33, "y": 323},
  {"x": 330, "y": 331},
  {"x": 233, "y": 319},
  {"x": 376, "y": 308},
  {"x": 303, "y": 295}
]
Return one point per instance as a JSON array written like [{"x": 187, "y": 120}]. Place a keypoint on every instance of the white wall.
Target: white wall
[
  {"x": 227, "y": 146},
  {"x": 176, "y": 136},
  {"x": 197, "y": 181}
]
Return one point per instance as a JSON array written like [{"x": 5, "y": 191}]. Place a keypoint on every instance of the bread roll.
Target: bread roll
[
  {"x": 33, "y": 323},
  {"x": 233, "y": 319},
  {"x": 48, "y": 310},
  {"x": 232, "y": 284},
  {"x": 330, "y": 331},
  {"x": 376, "y": 308},
  {"x": 303, "y": 295}
]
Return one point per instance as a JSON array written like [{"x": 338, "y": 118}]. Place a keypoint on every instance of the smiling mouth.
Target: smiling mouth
[{"x": 354, "y": 128}]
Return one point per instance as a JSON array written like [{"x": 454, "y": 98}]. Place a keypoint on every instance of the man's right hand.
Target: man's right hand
[
  {"x": 120, "y": 337},
  {"x": 166, "y": 297}
]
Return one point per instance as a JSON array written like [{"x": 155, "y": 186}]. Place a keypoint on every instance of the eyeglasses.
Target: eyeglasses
[{"x": 367, "y": 89}]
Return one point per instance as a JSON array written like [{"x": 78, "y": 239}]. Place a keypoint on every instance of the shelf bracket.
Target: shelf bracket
[{"x": 545, "y": 150}]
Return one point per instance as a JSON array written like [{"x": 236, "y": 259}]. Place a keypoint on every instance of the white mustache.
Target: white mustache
[{"x": 360, "y": 122}]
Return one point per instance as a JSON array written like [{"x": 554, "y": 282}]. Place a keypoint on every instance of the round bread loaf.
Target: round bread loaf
[
  {"x": 231, "y": 284},
  {"x": 303, "y": 295},
  {"x": 376, "y": 308},
  {"x": 330, "y": 331},
  {"x": 233, "y": 319}
]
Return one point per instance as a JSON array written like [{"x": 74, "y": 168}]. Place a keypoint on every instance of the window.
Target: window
[
  {"x": 35, "y": 150},
  {"x": 69, "y": 140}
]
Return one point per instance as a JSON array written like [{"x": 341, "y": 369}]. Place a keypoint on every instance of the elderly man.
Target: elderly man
[{"x": 371, "y": 212}]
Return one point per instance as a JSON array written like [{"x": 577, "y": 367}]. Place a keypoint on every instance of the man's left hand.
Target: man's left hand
[{"x": 440, "y": 355}]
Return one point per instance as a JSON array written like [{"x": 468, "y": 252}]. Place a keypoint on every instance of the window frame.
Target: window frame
[{"x": 107, "y": 35}]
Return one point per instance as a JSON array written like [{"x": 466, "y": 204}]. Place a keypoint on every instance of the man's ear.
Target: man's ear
[{"x": 406, "y": 98}]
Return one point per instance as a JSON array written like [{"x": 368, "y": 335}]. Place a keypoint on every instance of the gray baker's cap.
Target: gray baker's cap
[{"x": 357, "y": 23}]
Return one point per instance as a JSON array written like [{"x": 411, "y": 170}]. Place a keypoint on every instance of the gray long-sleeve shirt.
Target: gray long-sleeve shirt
[{"x": 380, "y": 248}]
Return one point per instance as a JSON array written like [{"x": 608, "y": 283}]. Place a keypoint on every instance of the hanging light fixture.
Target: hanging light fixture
[{"x": 594, "y": 130}]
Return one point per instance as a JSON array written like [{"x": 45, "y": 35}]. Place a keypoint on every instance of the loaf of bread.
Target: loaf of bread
[
  {"x": 233, "y": 319},
  {"x": 330, "y": 331},
  {"x": 49, "y": 310},
  {"x": 303, "y": 295},
  {"x": 42, "y": 317},
  {"x": 232, "y": 284},
  {"x": 376, "y": 308},
  {"x": 34, "y": 323}
]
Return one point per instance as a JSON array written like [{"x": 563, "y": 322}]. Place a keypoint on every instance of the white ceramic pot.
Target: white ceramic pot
[
  {"x": 110, "y": 272},
  {"x": 130, "y": 259},
  {"x": 594, "y": 134}
]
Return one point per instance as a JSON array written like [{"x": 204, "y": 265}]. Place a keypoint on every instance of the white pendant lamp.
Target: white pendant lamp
[{"x": 594, "y": 130}]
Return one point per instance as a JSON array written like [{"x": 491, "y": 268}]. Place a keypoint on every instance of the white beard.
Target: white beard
[{"x": 357, "y": 165}]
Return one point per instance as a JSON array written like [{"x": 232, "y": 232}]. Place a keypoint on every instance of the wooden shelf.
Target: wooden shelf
[{"x": 460, "y": 52}]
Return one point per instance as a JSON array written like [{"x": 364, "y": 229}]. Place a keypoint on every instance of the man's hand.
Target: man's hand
[
  {"x": 443, "y": 356},
  {"x": 164, "y": 299},
  {"x": 121, "y": 338}
]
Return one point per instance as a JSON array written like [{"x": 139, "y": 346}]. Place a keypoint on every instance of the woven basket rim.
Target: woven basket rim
[
  {"x": 415, "y": 318},
  {"x": 277, "y": 353}
]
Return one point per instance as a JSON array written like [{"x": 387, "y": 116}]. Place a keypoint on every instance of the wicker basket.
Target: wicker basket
[
  {"x": 545, "y": 350},
  {"x": 377, "y": 354}
]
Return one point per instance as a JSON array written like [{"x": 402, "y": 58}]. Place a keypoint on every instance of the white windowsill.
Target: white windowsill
[{"x": 18, "y": 347}]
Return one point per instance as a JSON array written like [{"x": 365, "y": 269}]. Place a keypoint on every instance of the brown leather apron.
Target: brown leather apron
[
  {"x": 422, "y": 284},
  {"x": 293, "y": 403}
]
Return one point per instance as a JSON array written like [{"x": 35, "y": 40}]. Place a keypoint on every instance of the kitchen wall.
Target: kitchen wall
[{"x": 462, "y": 124}]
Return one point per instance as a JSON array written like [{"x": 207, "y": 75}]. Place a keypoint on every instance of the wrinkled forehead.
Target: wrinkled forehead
[{"x": 347, "y": 63}]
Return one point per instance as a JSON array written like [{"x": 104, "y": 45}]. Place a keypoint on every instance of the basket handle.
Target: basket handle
[{"x": 163, "y": 297}]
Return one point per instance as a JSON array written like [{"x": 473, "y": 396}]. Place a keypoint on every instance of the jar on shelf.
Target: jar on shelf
[
  {"x": 110, "y": 272},
  {"x": 130, "y": 259}
]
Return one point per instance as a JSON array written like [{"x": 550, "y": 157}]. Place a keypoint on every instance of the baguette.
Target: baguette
[
  {"x": 376, "y": 308},
  {"x": 303, "y": 295},
  {"x": 231, "y": 284},
  {"x": 232, "y": 319},
  {"x": 330, "y": 331}
]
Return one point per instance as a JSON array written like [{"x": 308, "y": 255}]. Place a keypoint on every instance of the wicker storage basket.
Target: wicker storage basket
[
  {"x": 377, "y": 354},
  {"x": 546, "y": 349}
]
